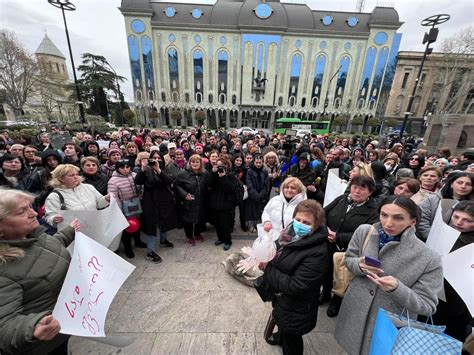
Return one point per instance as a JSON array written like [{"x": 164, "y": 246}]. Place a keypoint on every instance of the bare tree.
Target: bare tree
[
  {"x": 17, "y": 71},
  {"x": 456, "y": 72}
]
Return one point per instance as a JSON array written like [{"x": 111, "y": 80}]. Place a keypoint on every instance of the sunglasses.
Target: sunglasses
[{"x": 414, "y": 158}]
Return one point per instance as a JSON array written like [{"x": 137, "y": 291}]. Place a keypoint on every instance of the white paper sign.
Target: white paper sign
[
  {"x": 334, "y": 187},
  {"x": 458, "y": 268},
  {"x": 93, "y": 279},
  {"x": 103, "y": 144},
  {"x": 103, "y": 225},
  {"x": 442, "y": 237}
]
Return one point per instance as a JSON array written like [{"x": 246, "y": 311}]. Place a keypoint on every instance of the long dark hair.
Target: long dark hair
[
  {"x": 404, "y": 202},
  {"x": 447, "y": 189}
]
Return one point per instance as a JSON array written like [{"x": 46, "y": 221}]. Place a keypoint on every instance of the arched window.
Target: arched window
[
  {"x": 222, "y": 98},
  {"x": 148, "y": 63},
  {"x": 462, "y": 140},
  {"x": 223, "y": 59},
  {"x": 280, "y": 101},
  {"x": 134, "y": 53},
  {"x": 379, "y": 70},
  {"x": 344, "y": 63},
  {"x": 303, "y": 102},
  {"x": 318, "y": 77},
  {"x": 198, "y": 97},
  {"x": 198, "y": 65},
  {"x": 292, "y": 101},
  {"x": 360, "y": 103},
  {"x": 295, "y": 74},
  {"x": 314, "y": 102},
  {"x": 186, "y": 97},
  {"x": 367, "y": 73},
  {"x": 173, "y": 69},
  {"x": 163, "y": 96},
  {"x": 211, "y": 98},
  {"x": 234, "y": 99}
]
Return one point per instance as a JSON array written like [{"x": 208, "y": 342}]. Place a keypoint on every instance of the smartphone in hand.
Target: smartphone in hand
[{"x": 372, "y": 261}]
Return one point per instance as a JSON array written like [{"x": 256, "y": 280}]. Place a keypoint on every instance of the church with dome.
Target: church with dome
[{"x": 239, "y": 63}]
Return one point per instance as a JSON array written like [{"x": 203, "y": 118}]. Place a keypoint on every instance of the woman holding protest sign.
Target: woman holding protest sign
[{"x": 34, "y": 266}]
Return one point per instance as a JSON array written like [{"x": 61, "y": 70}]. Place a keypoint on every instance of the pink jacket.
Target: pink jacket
[{"x": 122, "y": 187}]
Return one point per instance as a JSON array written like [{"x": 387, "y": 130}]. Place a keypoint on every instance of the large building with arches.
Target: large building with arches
[{"x": 241, "y": 63}]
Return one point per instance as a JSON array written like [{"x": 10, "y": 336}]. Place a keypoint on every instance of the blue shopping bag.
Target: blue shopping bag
[
  {"x": 397, "y": 334},
  {"x": 384, "y": 334}
]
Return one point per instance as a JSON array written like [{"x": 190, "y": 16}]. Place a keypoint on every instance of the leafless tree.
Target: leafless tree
[
  {"x": 456, "y": 74},
  {"x": 17, "y": 71}
]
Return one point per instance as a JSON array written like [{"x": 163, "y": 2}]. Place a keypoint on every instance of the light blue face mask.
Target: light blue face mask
[{"x": 301, "y": 229}]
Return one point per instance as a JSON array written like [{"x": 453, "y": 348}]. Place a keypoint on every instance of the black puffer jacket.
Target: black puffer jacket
[
  {"x": 196, "y": 184},
  {"x": 296, "y": 273},
  {"x": 345, "y": 223},
  {"x": 158, "y": 201},
  {"x": 99, "y": 181}
]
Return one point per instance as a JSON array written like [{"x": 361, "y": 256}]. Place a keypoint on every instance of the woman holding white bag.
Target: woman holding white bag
[{"x": 278, "y": 212}]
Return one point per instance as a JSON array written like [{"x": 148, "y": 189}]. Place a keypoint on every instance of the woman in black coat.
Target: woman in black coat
[
  {"x": 296, "y": 274},
  {"x": 343, "y": 216},
  {"x": 223, "y": 184},
  {"x": 157, "y": 203},
  {"x": 191, "y": 187},
  {"x": 258, "y": 185}
]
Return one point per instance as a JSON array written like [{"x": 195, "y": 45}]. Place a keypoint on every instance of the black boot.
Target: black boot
[
  {"x": 334, "y": 306},
  {"x": 274, "y": 339},
  {"x": 324, "y": 297},
  {"x": 138, "y": 241},
  {"x": 127, "y": 243}
]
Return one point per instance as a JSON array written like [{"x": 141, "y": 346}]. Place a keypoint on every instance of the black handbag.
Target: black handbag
[{"x": 265, "y": 291}]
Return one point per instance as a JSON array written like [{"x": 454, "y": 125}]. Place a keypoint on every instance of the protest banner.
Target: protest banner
[
  {"x": 103, "y": 226},
  {"x": 458, "y": 269},
  {"x": 93, "y": 279},
  {"x": 442, "y": 237},
  {"x": 335, "y": 187},
  {"x": 103, "y": 144}
]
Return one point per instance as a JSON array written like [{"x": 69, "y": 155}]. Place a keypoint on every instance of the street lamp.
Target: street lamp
[
  {"x": 66, "y": 5},
  {"x": 429, "y": 38}
]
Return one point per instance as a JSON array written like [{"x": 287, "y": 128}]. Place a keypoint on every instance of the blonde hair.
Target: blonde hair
[
  {"x": 195, "y": 157},
  {"x": 296, "y": 181},
  {"x": 9, "y": 200},
  {"x": 271, "y": 154},
  {"x": 364, "y": 169},
  {"x": 59, "y": 172},
  {"x": 141, "y": 156}
]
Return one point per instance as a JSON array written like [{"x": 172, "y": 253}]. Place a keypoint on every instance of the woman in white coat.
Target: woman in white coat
[
  {"x": 278, "y": 212},
  {"x": 71, "y": 194}
]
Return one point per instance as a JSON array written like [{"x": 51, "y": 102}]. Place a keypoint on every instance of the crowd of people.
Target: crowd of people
[{"x": 190, "y": 179}]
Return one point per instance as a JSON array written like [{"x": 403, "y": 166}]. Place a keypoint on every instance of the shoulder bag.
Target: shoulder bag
[{"x": 342, "y": 277}]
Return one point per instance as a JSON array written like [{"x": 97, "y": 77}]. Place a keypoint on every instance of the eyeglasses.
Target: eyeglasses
[{"x": 414, "y": 158}]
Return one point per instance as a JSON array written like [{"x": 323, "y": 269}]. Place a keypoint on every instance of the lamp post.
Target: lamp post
[
  {"x": 326, "y": 100},
  {"x": 66, "y": 5},
  {"x": 429, "y": 38}
]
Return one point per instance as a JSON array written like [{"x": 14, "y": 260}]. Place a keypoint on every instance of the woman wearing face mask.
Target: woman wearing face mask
[
  {"x": 295, "y": 275},
  {"x": 410, "y": 275},
  {"x": 392, "y": 164},
  {"x": 458, "y": 187},
  {"x": 343, "y": 216}
]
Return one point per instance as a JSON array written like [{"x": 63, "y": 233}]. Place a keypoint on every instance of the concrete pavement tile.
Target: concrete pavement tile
[
  {"x": 189, "y": 270},
  {"x": 164, "y": 311},
  {"x": 142, "y": 345},
  {"x": 116, "y": 306},
  {"x": 153, "y": 284},
  {"x": 231, "y": 343},
  {"x": 179, "y": 343},
  {"x": 325, "y": 324},
  {"x": 236, "y": 312},
  {"x": 324, "y": 343},
  {"x": 266, "y": 349}
]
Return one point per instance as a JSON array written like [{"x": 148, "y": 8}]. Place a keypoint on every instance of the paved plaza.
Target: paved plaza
[{"x": 188, "y": 304}]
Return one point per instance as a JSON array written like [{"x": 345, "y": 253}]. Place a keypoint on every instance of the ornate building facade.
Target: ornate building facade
[{"x": 249, "y": 62}]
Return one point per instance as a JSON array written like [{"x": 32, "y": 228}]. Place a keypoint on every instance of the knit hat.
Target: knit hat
[
  {"x": 113, "y": 150},
  {"x": 138, "y": 142}
]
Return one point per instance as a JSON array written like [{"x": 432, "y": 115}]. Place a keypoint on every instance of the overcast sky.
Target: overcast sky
[{"x": 97, "y": 26}]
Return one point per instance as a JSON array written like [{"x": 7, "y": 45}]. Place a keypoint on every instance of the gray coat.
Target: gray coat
[
  {"x": 428, "y": 213},
  {"x": 420, "y": 277}
]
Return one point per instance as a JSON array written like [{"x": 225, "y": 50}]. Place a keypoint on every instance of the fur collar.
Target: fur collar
[{"x": 10, "y": 253}]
